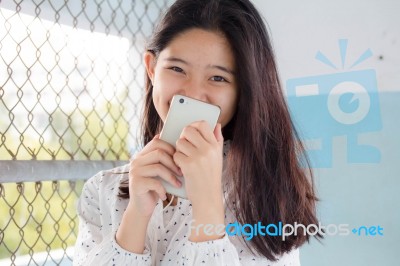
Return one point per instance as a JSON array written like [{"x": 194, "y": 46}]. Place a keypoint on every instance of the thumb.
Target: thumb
[{"x": 218, "y": 133}]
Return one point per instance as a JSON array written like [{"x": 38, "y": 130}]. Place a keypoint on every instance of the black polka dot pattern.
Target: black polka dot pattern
[{"x": 167, "y": 243}]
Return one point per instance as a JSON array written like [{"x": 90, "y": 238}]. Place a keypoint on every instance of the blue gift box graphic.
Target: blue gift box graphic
[{"x": 339, "y": 104}]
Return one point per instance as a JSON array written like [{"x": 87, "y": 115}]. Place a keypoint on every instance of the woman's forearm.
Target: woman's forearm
[
  {"x": 207, "y": 220},
  {"x": 131, "y": 234}
]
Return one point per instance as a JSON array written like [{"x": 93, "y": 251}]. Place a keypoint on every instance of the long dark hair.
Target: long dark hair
[{"x": 270, "y": 181}]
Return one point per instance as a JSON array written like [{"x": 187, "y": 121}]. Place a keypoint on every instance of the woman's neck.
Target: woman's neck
[{"x": 168, "y": 200}]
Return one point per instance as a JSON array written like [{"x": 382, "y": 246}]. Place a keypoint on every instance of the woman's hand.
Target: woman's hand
[
  {"x": 154, "y": 160},
  {"x": 144, "y": 191},
  {"x": 199, "y": 156}
]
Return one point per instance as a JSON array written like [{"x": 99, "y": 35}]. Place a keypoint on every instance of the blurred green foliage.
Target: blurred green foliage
[
  {"x": 97, "y": 134},
  {"x": 38, "y": 216},
  {"x": 41, "y": 216}
]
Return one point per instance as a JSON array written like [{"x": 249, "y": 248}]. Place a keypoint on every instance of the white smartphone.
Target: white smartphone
[{"x": 184, "y": 111}]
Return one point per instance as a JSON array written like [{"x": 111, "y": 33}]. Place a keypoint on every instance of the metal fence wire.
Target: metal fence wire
[
  {"x": 71, "y": 90},
  {"x": 38, "y": 219}
]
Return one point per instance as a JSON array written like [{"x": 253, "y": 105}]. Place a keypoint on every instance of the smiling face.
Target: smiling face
[{"x": 198, "y": 64}]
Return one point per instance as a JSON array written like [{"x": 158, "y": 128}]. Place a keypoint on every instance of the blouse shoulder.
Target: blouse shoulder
[{"x": 108, "y": 178}]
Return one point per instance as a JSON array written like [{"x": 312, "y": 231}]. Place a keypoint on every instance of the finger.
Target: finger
[
  {"x": 185, "y": 147},
  {"x": 158, "y": 188},
  {"x": 218, "y": 133},
  {"x": 205, "y": 130},
  {"x": 161, "y": 171},
  {"x": 180, "y": 159},
  {"x": 193, "y": 136},
  {"x": 159, "y": 156},
  {"x": 157, "y": 143},
  {"x": 150, "y": 184}
]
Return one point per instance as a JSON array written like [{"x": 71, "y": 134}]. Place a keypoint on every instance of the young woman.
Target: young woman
[{"x": 246, "y": 170}]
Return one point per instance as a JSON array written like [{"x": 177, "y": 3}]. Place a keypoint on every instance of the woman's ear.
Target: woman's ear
[{"x": 149, "y": 60}]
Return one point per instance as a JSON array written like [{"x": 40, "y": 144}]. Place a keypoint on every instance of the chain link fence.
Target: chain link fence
[
  {"x": 71, "y": 86},
  {"x": 38, "y": 219}
]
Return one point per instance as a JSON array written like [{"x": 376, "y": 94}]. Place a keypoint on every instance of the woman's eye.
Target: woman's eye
[
  {"x": 176, "y": 69},
  {"x": 218, "y": 78}
]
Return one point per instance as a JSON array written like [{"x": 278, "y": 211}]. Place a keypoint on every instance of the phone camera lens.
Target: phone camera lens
[{"x": 181, "y": 100}]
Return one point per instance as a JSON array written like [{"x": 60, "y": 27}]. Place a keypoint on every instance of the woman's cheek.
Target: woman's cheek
[
  {"x": 228, "y": 108},
  {"x": 163, "y": 91}
]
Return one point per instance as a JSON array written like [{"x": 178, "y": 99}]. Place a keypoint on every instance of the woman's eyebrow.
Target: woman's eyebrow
[
  {"x": 222, "y": 68},
  {"x": 176, "y": 59},
  {"x": 180, "y": 60}
]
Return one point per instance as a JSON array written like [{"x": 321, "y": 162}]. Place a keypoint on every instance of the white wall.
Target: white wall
[{"x": 301, "y": 28}]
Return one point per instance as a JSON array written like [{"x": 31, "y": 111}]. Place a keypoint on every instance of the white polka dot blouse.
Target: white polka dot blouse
[{"x": 100, "y": 212}]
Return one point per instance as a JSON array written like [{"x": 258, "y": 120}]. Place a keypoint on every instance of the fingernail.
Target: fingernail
[
  {"x": 179, "y": 183},
  {"x": 180, "y": 172}
]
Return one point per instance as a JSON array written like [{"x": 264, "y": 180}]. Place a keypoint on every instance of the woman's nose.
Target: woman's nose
[{"x": 195, "y": 90}]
